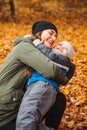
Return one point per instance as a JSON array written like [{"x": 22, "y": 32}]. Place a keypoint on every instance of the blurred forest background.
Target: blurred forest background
[{"x": 70, "y": 17}]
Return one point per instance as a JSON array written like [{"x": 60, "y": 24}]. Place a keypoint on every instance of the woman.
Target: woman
[{"x": 13, "y": 76}]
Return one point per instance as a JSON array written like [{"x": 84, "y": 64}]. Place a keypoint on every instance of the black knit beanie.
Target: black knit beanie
[{"x": 42, "y": 25}]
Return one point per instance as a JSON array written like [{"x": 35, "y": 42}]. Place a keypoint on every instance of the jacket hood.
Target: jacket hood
[{"x": 27, "y": 38}]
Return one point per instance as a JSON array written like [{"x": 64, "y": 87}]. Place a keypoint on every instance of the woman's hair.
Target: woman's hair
[{"x": 38, "y": 35}]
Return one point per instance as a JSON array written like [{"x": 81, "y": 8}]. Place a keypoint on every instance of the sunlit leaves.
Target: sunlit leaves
[{"x": 72, "y": 26}]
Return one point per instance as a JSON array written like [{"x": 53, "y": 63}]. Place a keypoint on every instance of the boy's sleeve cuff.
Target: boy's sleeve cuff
[{"x": 38, "y": 44}]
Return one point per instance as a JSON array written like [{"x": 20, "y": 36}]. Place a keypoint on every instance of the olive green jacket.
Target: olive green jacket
[{"x": 13, "y": 75}]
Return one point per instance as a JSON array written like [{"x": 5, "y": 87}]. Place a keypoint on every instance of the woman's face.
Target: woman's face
[{"x": 48, "y": 37}]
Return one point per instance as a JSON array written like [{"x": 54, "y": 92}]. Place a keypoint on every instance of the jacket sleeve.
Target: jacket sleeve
[
  {"x": 32, "y": 57},
  {"x": 71, "y": 71},
  {"x": 61, "y": 60}
]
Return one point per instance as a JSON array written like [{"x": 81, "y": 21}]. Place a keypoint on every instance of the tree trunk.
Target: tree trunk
[{"x": 12, "y": 7}]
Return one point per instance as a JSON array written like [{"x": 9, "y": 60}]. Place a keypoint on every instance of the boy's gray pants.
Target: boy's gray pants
[{"x": 38, "y": 99}]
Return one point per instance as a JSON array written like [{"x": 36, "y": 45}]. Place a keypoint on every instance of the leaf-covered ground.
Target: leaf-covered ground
[{"x": 72, "y": 25}]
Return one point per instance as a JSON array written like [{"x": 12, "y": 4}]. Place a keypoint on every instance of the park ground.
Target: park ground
[{"x": 71, "y": 22}]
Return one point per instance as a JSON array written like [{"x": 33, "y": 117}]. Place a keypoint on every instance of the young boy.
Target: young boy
[
  {"x": 63, "y": 48},
  {"x": 36, "y": 104}
]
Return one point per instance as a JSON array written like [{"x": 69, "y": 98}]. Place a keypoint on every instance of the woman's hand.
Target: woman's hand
[{"x": 37, "y": 41}]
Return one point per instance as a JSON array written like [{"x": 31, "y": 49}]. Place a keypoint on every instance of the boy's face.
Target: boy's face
[
  {"x": 62, "y": 48},
  {"x": 48, "y": 37}
]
